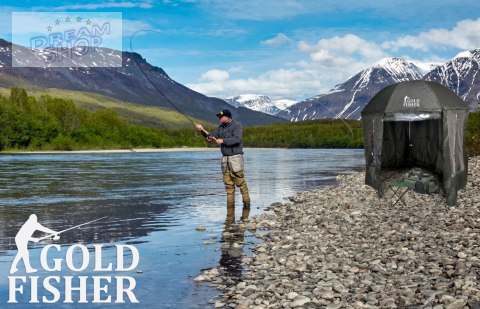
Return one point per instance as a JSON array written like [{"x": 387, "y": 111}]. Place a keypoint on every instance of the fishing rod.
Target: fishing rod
[
  {"x": 153, "y": 84},
  {"x": 55, "y": 235}
]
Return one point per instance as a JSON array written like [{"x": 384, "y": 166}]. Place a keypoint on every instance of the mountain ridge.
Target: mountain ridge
[
  {"x": 126, "y": 83},
  {"x": 346, "y": 100},
  {"x": 261, "y": 103},
  {"x": 353, "y": 93}
]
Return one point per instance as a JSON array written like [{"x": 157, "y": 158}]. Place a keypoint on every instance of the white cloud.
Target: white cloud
[
  {"x": 215, "y": 76},
  {"x": 465, "y": 35},
  {"x": 281, "y": 83},
  {"x": 333, "y": 60},
  {"x": 342, "y": 50},
  {"x": 279, "y": 40}
]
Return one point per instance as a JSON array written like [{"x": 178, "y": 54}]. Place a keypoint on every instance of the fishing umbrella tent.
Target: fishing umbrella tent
[{"x": 416, "y": 124}]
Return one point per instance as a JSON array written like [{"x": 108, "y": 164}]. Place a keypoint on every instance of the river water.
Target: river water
[{"x": 152, "y": 201}]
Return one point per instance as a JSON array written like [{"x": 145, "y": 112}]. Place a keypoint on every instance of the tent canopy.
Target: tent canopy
[{"x": 416, "y": 124}]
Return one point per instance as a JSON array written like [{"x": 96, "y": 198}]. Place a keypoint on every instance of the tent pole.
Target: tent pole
[{"x": 409, "y": 145}]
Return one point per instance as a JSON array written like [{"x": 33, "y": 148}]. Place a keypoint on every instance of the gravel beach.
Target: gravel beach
[{"x": 343, "y": 247}]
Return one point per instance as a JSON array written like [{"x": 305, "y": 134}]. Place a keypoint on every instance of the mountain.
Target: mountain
[
  {"x": 461, "y": 76},
  {"x": 259, "y": 103},
  {"x": 126, "y": 83},
  {"x": 348, "y": 99}
]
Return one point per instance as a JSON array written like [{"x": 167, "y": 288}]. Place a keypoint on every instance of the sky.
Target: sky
[{"x": 291, "y": 49}]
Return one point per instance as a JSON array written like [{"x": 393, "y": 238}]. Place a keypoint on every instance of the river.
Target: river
[{"x": 152, "y": 201}]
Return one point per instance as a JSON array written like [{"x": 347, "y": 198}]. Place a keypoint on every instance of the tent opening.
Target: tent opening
[{"x": 413, "y": 144}]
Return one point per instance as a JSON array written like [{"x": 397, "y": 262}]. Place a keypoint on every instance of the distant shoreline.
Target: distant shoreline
[
  {"x": 107, "y": 150},
  {"x": 140, "y": 150}
]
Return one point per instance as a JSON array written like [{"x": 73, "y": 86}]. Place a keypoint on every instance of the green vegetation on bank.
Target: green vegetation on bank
[
  {"x": 148, "y": 116},
  {"x": 48, "y": 123},
  {"x": 44, "y": 122},
  {"x": 473, "y": 134},
  {"x": 326, "y": 133}
]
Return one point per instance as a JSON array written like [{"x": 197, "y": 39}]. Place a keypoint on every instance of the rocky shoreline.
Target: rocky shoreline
[{"x": 343, "y": 247}]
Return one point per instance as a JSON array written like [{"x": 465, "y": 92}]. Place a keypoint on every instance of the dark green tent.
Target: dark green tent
[{"x": 416, "y": 123}]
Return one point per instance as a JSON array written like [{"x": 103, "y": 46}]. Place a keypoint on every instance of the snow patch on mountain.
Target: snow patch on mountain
[
  {"x": 283, "y": 103},
  {"x": 426, "y": 67},
  {"x": 463, "y": 54}
]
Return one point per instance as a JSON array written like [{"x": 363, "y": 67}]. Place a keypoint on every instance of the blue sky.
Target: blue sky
[{"x": 285, "y": 49}]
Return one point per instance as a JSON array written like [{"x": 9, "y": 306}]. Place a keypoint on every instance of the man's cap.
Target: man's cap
[{"x": 224, "y": 112}]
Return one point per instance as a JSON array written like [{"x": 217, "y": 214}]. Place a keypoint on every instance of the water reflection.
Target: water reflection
[
  {"x": 125, "y": 221},
  {"x": 233, "y": 243}
]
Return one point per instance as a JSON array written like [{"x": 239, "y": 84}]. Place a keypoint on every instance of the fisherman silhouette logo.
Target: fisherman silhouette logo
[
  {"x": 105, "y": 281},
  {"x": 22, "y": 238}
]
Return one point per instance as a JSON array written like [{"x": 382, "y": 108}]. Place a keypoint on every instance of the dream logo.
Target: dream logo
[
  {"x": 49, "y": 288},
  {"x": 67, "y": 39}
]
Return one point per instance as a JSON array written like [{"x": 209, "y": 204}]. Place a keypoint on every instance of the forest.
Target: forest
[{"x": 50, "y": 123}]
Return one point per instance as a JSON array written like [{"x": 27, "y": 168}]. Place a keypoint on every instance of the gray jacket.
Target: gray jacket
[{"x": 231, "y": 133}]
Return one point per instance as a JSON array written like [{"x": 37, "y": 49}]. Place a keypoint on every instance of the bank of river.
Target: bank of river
[{"x": 343, "y": 247}]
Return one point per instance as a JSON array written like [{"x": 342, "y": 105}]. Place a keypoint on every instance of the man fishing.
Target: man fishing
[{"x": 229, "y": 136}]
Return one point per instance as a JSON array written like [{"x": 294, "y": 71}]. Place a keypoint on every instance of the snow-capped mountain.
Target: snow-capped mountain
[
  {"x": 260, "y": 103},
  {"x": 461, "y": 76},
  {"x": 127, "y": 82},
  {"x": 348, "y": 99}
]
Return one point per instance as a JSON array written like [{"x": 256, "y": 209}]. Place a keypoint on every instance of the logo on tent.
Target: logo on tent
[{"x": 410, "y": 102}]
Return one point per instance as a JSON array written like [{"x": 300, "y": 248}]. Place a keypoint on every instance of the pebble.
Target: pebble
[
  {"x": 458, "y": 304},
  {"x": 334, "y": 306},
  {"x": 299, "y": 301},
  {"x": 344, "y": 247}
]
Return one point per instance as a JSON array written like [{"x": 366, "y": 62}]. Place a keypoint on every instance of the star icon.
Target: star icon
[
  {"x": 79, "y": 19},
  {"x": 57, "y": 22},
  {"x": 89, "y": 21},
  {"x": 67, "y": 19},
  {"x": 49, "y": 28}
]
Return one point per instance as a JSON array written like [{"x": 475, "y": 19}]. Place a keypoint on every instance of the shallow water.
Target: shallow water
[{"x": 153, "y": 201}]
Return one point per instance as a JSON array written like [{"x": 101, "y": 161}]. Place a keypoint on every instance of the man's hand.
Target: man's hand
[
  {"x": 219, "y": 141},
  {"x": 199, "y": 127}
]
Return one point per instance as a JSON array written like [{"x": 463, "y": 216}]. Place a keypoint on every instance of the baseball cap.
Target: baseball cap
[{"x": 224, "y": 112}]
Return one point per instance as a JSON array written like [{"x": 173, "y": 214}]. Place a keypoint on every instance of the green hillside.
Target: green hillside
[
  {"x": 44, "y": 122},
  {"x": 154, "y": 117}
]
